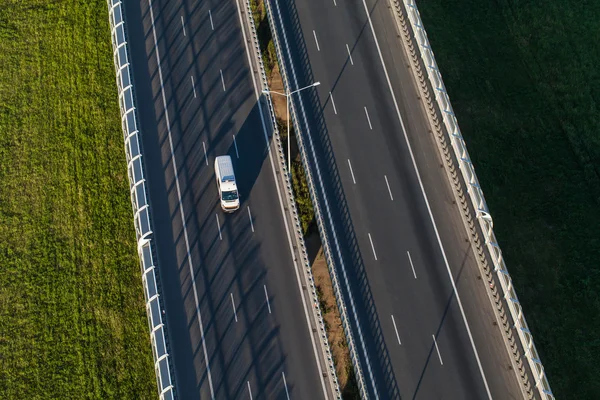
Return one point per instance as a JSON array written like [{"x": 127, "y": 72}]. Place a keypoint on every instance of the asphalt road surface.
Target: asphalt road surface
[
  {"x": 236, "y": 322},
  {"x": 426, "y": 321}
]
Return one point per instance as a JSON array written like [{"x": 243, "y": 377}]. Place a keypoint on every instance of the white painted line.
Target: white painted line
[
  {"x": 183, "y": 25},
  {"x": 185, "y": 235},
  {"x": 219, "y": 226},
  {"x": 316, "y": 41},
  {"x": 368, "y": 119},
  {"x": 211, "y": 21},
  {"x": 267, "y": 297},
  {"x": 396, "y": 329},
  {"x": 249, "y": 390},
  {"x": 250, "y": 216},
  {"x": 351, "y": 172},
  {"x": 372, "y": 247},
  {"x": 462, "y": 311},
  {"x": 236, "y": 149},
  {"x": 258, "y": 94},
  {"x": 388, "y": 186},
  {"x": 411, "y": 265},
  {"x": 332, "y": 103},
  {"x": 349, "y": 55},
  {"x": 233, "y": 305},
  {"x": 205, "y": 157},
  {"x": 334, "y": 3},
  {"x": 222, "y": 80},
  {"x": 193, "y": 86},
  {"x": 438, "y": 349},
  {"x": 285, "y": 384}
]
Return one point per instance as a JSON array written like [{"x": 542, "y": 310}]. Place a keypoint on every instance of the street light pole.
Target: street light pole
[
  {"x": 287, "y": 118},
  {"x": 287, "y": 101}
]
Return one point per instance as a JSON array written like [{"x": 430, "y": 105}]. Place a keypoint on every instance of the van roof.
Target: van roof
[{"x": 225, "y": 168}]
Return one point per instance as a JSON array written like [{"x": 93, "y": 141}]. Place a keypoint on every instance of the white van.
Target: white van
[{"x": 228, "y": 194}]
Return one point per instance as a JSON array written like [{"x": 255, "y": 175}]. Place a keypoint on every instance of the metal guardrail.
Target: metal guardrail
[
  {"x": 139, "y": 201},
  {"x": 298, "y": 234},
  {"x": 478, "y": 200},
  {"x": 319, "y": 213}
]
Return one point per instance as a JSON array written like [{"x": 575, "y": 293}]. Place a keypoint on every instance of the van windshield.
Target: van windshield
[{"x": 230, "y": 196}]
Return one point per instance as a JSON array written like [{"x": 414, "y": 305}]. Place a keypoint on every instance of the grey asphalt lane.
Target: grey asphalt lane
[
  {"x": 236, "y": 322},
  {"x": 418, "y": 343}
]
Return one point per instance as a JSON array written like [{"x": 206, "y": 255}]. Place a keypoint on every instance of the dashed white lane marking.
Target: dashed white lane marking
[
  {"x": 222, "y": 80},
  {"x": 267, "y": 297},
  {"x": 257, "y": 93},
  {"x": 437, "y": 349},
  {"x": 372, "y": 247},
  {"x": 236, "y": 149},
  {"x": 205, "y": 156},
  {"x": 233, "y": 305},
  {"x": 462, "y": 311},
  {"x": 250, "y": 216},
  {"x": 285, "y": 384},
  {"x": 185, "y": 235},
  {"x": 388, "y": 186},
  {"x": 349, "y": 55},
  {"x": 219, "y": 226},
  {"x": 249, "y": 390},
  {"x": 411, "y": 264},
  {"x": 351, "y": 172},
  {"x": 183, "y": 25},
  {"x": 334, "y": 3},
  {"x": 211, "y": 21},
  {"x": 396, "y": 329},
  {"x": 316, "y": 41},
  {"x": 193, "y": 86},
  {"x": 333, "y": 103},
  {"x": 368, "y": 119}
]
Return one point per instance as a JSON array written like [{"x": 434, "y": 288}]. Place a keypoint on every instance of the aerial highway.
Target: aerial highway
[
  {"x": 237, "y": 323},
  {"x": 427, "y": 325}
]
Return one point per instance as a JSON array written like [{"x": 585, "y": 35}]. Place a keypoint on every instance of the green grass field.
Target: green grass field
[
  {"x": 524, "y": 81},
  {"x": 72, "y": 318}
]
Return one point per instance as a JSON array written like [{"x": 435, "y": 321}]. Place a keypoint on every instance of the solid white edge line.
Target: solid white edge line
[
  {"x": 368, "y": 119},
  {"x": 316, "y": 41},
  {"x": 249, "y": 390},
  {"x": 211, "y": 21},
  {"x": 411, "y": 264},
  {"x": 233, "y": 305},
  {"x": 185, "y": 235},
  {"x": 351, "y": 172},
  {"x": 250, "y": 216},
  {"x": 205, "y": 156},
  {"x": 236, "y": 149},
  {"x": 388, "y": 186},
  {"x": 222, "y": 80},
  {"x": 462, "y": 311},
  {"x": 349, "y": 54},
  {"x": 285, "y": 385},
  {"x": 372, "y": 247},
  {"x": 267, "y": 297},
  {"x": 335, "y": 240},
  {"x": 396, "y": 329},
  {"x": 287, "y": 228},
  {"x": 332, "y": 103},
  {"x": 219, "y": 226},
  {"x": 437, "y": 349},
  {"x": 183, "y": 26}
]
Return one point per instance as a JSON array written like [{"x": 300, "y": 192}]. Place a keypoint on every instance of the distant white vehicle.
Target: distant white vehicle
[{"x": 228, "y": 194}]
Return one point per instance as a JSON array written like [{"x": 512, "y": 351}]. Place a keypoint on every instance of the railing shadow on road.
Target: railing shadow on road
[
  {"x": 451, "y": 297},
  {"x": 368, "y": 317},
  {"x": 262, "y": 337}
]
